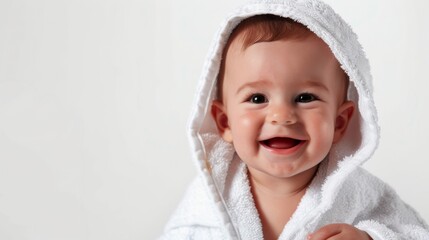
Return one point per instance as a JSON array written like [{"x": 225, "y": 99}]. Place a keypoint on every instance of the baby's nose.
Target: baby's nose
[{"x": 281, "y": 115}]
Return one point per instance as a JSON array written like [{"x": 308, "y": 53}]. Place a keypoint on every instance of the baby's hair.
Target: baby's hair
[
  {"x": 262, "y": 28},
  {"x": 267, "y": 28}
]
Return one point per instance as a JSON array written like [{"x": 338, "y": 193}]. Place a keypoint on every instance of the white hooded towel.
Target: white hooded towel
[{"x": 219, "y": 204}]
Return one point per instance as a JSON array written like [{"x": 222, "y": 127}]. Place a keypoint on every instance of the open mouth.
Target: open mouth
[{"x": 281, "y": 143}]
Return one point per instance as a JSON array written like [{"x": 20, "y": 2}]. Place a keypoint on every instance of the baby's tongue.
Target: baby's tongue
[{"x": 281, "y": 142}]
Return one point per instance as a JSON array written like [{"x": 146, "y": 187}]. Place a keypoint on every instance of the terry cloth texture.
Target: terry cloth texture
[{"x": 219, "y": 204}]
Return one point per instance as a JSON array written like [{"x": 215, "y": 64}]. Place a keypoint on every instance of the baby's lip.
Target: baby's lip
[{"x": 281, "y": 142}]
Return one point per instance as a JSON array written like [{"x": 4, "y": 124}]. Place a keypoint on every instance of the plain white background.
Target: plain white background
[{"x": 95, "y": 96}]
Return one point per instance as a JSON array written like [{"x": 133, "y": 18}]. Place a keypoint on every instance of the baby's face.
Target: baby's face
[{"x": 283, "y": 105}]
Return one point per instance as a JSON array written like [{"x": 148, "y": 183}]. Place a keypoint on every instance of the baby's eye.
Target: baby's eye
[
  {"x": 306, "y": 98},
  {"x": 257, "y": 98}
]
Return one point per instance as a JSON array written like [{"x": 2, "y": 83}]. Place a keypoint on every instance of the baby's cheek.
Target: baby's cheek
[
  {"x": 247, "y": 121},
  {"x": 321, "y": 131},
  {"x": 245, "y": 127}
]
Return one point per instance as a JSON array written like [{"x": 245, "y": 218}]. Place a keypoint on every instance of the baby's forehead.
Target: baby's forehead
[
  {"x": 240, "y": 45},
  {"x": 306, "y": 50},
  {"x": 308, "y": 59}
]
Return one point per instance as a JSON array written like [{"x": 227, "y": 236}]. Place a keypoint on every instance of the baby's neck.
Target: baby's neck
[
  {"x": 281, "y": 187},
  {"x": 277, "y": 199}
]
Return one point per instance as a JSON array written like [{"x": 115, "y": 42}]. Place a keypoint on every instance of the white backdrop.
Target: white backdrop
[{"x": 95, "y": 96}]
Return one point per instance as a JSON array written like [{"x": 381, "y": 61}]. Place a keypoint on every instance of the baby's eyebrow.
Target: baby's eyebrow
[
  {"x": 262, "y": 84},
  {"x": 316, "y": 84},
  {"x": 257, "y": 84}
]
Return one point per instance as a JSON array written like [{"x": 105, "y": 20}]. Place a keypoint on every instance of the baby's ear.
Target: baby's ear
[
  {"x": 221, "y": 119},
  {"x": 344, "y": 115}
]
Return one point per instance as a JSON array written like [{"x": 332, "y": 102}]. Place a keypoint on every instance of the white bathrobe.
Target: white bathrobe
[{"x": 219, "y": 204}]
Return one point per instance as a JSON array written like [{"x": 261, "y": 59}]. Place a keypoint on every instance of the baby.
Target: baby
[{"x": 283, "y": 120}]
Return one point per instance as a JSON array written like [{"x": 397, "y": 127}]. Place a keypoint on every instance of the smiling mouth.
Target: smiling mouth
[{"x": 281, "y": 143}]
